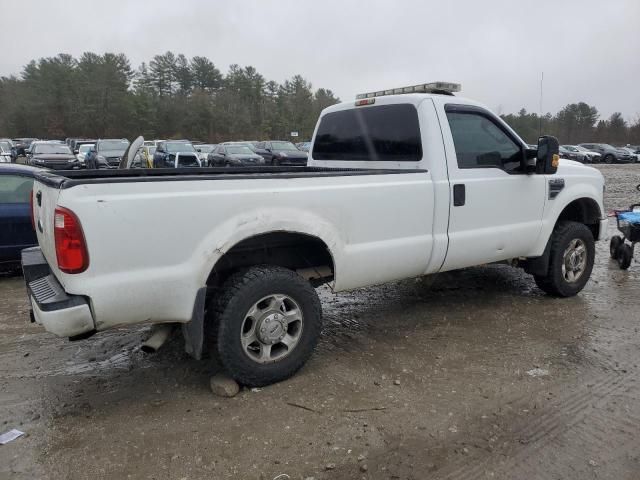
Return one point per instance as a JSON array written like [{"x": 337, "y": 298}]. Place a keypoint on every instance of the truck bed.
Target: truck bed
[
  {"x": 155, "y": 236},
  {"x": 69, "y": 178}
]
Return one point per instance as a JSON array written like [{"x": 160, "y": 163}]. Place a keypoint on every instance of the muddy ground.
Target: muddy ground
[{"x": 469, "y": 375}]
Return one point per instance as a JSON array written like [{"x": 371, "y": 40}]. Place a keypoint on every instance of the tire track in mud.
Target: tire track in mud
[{"x": 581, "y": 412}]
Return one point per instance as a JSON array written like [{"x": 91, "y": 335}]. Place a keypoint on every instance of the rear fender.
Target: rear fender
[{"x": 262, "y": 221}]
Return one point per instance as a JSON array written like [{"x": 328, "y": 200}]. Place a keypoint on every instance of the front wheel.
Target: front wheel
[
  {"x": 571, "y": 260},
  {"x": 615, "y": 242},
  {"x": 267, "y": 322},
  {"x": 608, "y": 159}
]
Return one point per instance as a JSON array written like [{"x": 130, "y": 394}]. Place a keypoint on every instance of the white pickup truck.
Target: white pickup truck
[{"x": 399, "y": 184}]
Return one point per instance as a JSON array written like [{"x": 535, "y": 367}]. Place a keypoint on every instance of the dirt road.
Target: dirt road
[{"x": 469, "y": 375}]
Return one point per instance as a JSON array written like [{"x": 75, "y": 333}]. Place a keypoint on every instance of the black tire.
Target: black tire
[
  {"x": 615, "y": 242},
  {"x": 228, "y": 310},
  {"x": 609, "y": 158},
  {"x": 554, "y": 282},
  {"x": 625, "y": 255}
]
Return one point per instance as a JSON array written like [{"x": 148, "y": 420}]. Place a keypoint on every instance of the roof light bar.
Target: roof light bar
[{"x": 433, "y": 87}]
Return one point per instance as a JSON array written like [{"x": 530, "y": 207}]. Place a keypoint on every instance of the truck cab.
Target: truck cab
[{"x": 501, "y": 204}]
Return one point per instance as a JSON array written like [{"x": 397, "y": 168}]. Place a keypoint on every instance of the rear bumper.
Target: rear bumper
[{"x": 58, "y": 312}]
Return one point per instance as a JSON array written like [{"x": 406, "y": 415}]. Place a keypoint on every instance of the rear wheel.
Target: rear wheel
[
  {"x": 625, "y": 255},
  {"x": 570, "y": 260},
  {"x": 267, "y": 323},
  {"x": 615, "y": 242}
]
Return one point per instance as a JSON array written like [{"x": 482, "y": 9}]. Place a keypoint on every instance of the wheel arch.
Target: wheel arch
[
  {"x": 584, "y": 210},
  {"x": 306, "y": 253}
]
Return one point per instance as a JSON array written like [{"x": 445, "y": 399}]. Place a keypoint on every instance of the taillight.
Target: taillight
[
  {"x": 33, "y": 221},
  {"x": 71, "y": 248}
]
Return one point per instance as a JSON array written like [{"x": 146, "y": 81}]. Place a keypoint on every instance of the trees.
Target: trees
[
  {"x": 575, "y": 123},
  {"x": 617, "y": 131},
  {"x": 170, "y": 96}
]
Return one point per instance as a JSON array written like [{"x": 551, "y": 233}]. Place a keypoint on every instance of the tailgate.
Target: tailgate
[{"x": 45, "y": 200}]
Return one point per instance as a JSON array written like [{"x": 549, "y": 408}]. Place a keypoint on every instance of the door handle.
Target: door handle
[{"x": 459, "y": 195}]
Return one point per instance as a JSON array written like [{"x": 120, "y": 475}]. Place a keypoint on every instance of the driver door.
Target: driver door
[{"x": 495, "y": 209}]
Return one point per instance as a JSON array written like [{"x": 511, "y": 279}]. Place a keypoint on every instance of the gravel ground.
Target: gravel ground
[{"x": 469, "y": 375}]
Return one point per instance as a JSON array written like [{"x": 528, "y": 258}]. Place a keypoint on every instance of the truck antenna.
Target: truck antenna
[{"x": 540, "y": 116}]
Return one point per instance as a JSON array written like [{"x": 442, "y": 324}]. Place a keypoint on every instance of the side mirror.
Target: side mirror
[
  {"x": 199, "y": 150},
  {"x": 548, "y": 157}
]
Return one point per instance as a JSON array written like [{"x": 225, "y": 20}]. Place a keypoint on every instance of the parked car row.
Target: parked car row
[
  {"x": 183, "y": 153},
  {"x": 600, "y": 152},
  {"x": 107, "y": 153}
]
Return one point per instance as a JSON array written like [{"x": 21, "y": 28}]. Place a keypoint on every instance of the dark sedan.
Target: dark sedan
[
  {"x": 234, "y": 156},
  {"x": 16, "y": 229},
  {"x": 278, "y": 152},
  {"x": 110, "y": 151},
  {"x": 52, "y": 155}
]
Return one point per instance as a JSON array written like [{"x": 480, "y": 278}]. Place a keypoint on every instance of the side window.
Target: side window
[
  {"x": 221, "y": 149},
  {"x": 15, "y": 189},
  {"x": 376, "y": 133},
  {"x": 260, "y": 145},
  {"x": 481, "y": 143}
]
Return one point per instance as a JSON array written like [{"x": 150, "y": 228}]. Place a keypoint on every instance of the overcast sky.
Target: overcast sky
[{"x": 589, "y": 50}]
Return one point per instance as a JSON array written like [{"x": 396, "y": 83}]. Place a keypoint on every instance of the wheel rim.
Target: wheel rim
[
  {"x": 574, "y": 260},
  {"x": 271, "y": 328}
]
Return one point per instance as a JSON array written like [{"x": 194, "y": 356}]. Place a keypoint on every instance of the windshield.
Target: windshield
[
  {"x": 175, "y": 147},
  {"x": 239, "y": 150},
  {"x": 51, "y": 148},
  {"x": 206, "y": 148},
  {"x": 570, "y": 148},
  {"x": 85, "y": 148},
  {"x": 287, "y": 146},
  {"x": 6, "y": 146},
  {"x": 119, "y": 145}
]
